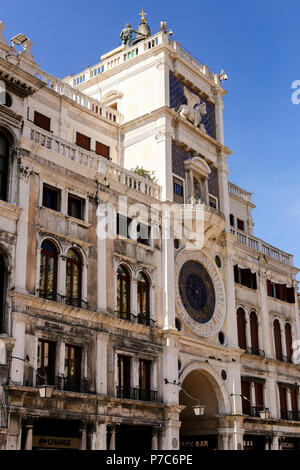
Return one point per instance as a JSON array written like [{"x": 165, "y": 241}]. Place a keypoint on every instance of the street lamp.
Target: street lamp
[
  {"x": 45, "y": 390},
  {"x": 199, "y": 409}
]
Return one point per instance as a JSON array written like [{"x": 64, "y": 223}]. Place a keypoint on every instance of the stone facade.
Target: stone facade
[{"x": 102, "y": 318}]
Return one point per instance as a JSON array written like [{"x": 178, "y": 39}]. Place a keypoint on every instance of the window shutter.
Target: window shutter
[
  {"x": 248, "y": 277},
  {"x": 294, "y": 399},
  {"x": 254, "y": 331},
  {"x": 254, "y": 281},
  {"x": 277, "y": 340},
  {"x": 103, "y": 150},
  {"x": 236, "y": 274},
  {"x": 269, "y": 288},
  {"x": 290, "y": 295},
  {"x": 83, "y": 141},
  {"x": 241, "y": 326},
  {"x": 245, "y": 386},
  {"x": 283, "y": 398},
  {"x": 289, "y": 341},
  {"x": 42, "y": 121},
  {"x": 259, "y": 396}
]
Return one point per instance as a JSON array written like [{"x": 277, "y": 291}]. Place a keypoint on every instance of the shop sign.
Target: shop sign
[{"x": 49, "y": 442}]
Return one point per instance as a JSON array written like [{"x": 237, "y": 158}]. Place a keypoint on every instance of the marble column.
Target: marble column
[
  {"x": 29, "y": 433},
  {"x": 154, "y": 445},
  {"x": 112, "y": 443}
]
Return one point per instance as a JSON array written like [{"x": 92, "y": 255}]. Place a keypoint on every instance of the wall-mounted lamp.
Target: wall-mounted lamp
[
  {"x": 45, "y": 390},
  {"x": 263, "y": 413},
  {"x": 199, "y": 409}
]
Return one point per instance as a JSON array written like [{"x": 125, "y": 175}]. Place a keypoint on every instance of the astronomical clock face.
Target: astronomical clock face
[{"x": 197, "y": 291}]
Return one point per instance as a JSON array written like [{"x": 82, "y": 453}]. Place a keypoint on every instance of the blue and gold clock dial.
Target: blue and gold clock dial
[{"x": 197, "y": 291}]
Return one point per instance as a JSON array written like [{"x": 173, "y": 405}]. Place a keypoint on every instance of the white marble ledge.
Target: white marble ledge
[{"x": 10, "y": 211}]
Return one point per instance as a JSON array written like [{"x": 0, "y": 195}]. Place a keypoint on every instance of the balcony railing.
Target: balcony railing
[
  {"x": 93, "y": 161},
  {"x": 283, "y": 358},
  {"x": 239, "y": 192},
  {"x": 142, "y": 319},
  {"x": 72, "y": 385},
  {"x": 255, "y": 352},
  {"x": 262, "y": 247},
  {"x": 255, "y": 410},
  {"x": 136, "y": 394},
  {"x": 62, "y": 299},
  {"x": 290, "y": 415}
]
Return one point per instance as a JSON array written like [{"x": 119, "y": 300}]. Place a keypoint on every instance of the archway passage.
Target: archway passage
[{"x": 199, "y": 432}]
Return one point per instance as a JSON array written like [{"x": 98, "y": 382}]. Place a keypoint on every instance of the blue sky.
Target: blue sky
[{"x": 255, "y": 41}]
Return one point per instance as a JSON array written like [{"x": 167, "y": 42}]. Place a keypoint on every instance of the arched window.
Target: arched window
[
  {"x": 2, "y": 292},
  {"x": 48, "y": 271},
  {"x": 254, "y": 333},
  {"x": 73, "y": 278},
  {"x": 123, "y": 293},
  {"x": 143, "y": 299},
  {"x": 241, "y": 327},
  {"x": 277, "y": 340},
  {"x": 4, "y": 154},
  {"x": 289, "y": 341}
]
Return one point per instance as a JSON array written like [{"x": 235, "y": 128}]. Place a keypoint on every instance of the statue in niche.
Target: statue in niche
[
  {"x": 194, "y": 111},
  {"x": 126, "y": 35}
]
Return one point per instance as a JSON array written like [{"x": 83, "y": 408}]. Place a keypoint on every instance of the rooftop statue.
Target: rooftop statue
[{"x": 126, "y": 34}]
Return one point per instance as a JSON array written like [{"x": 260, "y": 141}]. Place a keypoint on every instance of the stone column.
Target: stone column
[
  {"x": 101, "y": 363},
  {"x": 252, "y": 394},
  {"x": 112, "y": 443},
  {"x": 275, "y": 442},
  {"x": 223, "y": 188},
  {"x": 83, "y": 437},
  {"x": 171, "y": 440},
  {"x": 168, "y": 280},
  {"x": 99, "y": 436},
  {"x": 248, "y": 335},
  {"x": 237, "y": 435},
  {"x": 232, "y": 339},
  {"x": 265, "y": 316},
  {"x": 22, "y": 230},
  {"x": 154, "y": 445},
  {"x": 29, "y": 432},
  {"x": 17, "y": 365},
  {"x": 296, "y": 335},
  {"x": 219, "y": 105},
  {"x": 289, "y": 399},
  {"x": 223, "y": 440},
  {"x": 101, "y": 253},
  {"x": 133, "y": 298}
]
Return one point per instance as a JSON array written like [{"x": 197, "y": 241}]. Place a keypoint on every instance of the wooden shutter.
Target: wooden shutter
[
  {"x": 254, "y": 331},
  {"x": 103, "y": 150},
  {"x": 245, "y": 385},
  {"x": 290, "y": 295},
  {"x": 42, "y": 121},
  {"x": 83, "y": 141},
  {"x": 254, "y": 282},
  {"x": 289, "y": 341},
  {"x": 248, "y": 277},
  {"x": 294, "y": 399},
  {"x": 283, "y": 398},
  {"x": 236, "y": 274},
  {"x": 259, "y": 395},
  {"x": 277, "y": 340},
  {"x": 241, "y": 326},
  {"x": 269, "y": 288}
]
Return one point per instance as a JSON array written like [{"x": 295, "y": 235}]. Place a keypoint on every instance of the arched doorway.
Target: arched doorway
[{"x": 199, "y": 432}]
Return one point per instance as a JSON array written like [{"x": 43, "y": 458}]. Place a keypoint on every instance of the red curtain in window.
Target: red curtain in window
[
  {"x": 294, "y": 399},
  {"x": 259, "y": 394},
  {"x": 289, "y": 341},
  {"x": 269, "y": 288},
  {"x": 283, "y": 398},
  {"x": 241, "y": 326},
  {"x": 277, "y": 340},
  {"x": 254, "y": 332},
  {"x": 245, "y": 385}
]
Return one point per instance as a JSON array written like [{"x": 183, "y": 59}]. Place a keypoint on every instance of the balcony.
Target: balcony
[
  {"x": 255, "y": 352},
  {"x": 261, "y": 247},
  {"x": 282, "y": 358},
  {"x": 141, "y": 319},
  {"x": 136, "y": 394},
  {"x": 63, "y": 383},
  {"x": 290, "y": 415},
  {"x": 63, "y": 299},
  {"x": 255, "y": 410},
  {"x": 198, "y": 218}
]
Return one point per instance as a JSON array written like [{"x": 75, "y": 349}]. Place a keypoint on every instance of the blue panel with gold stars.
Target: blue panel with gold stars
[
  {"x": 177, "y": 98},
  {"x": 197, "y": 291}
]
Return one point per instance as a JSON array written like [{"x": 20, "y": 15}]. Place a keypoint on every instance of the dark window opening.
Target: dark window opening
[
  {"x": 83, "y": 141},
  {"x": 124, "y": 379},
  {"x": 240, "y": 224},
  {"x": 123, "y": 229},
  {"x": 281, "y": 292},
  {"x": 245, "y": 277},
  {"x": 76, "y": 207},
  {"x": 178, "y": 190},
  {"x": 145, "y": 379},
  {"x": 123, "y": 293},
  {"x": 241, "y": 327},
  {"x": 51, "y": 198},
  {"x": 4, "y": 157},
  {"x": 289, "y": 342},
  {"x": 46, "y": 362},
  {"x": 232, "y": 220},
  {"x": 277, "y": 340},
  {"x": 143, "y": 299},
  {"x": 42, "y": 121},
  {"x": 72, "y": 375},
  {"x": 103, "y": 150}
]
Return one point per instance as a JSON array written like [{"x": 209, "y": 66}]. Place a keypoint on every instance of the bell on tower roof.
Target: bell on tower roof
[{"x": 143, "y": 31}]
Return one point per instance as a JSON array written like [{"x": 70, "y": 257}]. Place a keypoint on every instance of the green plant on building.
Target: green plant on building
[{"x": 149, "y": 175}]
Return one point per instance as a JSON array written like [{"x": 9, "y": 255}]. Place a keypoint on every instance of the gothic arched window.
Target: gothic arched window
[
  {"x": 4, "y": 156},
  {"x": 123, "y": 293},
  {"x": 48, "y": 270},
  {"x": 143, "y": 299},
  {"x": 277, "y": 340},
  {"x": 2, "y": 292},
  {"x": 74, "y": 278},
  {"x": 241, "y": 327},
  {"x": 254, "y": 333}
]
